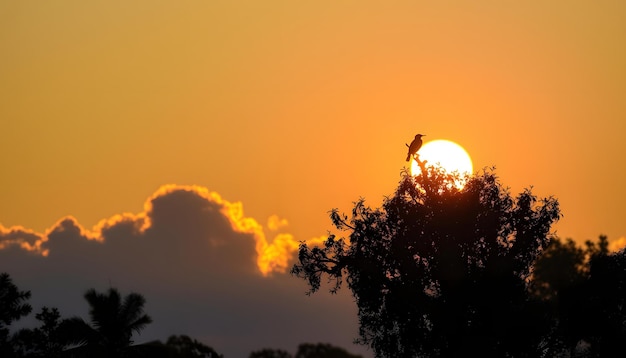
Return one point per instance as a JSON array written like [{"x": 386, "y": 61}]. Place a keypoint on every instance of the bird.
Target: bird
[{"x": 416, "y": 144}]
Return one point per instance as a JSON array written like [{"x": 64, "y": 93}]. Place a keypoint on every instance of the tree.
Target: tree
[
  {"x": 605, "y": 304},
  {"x": 586, "y": 290},
  {"x": 44, "y": 341},
  {"x": 440, "y": 270},
  {"x": 185, "y": 347},
  {"x": 561, "y": 265},
  {"x": 270, "y": 353},
  {"x": 113, "y": 322},
  {"x": 558, "y": 275},
  {"x": 13, "y": 306},
  {"x": 322, "y": 350},
  {"x": 306, "y": 350}
]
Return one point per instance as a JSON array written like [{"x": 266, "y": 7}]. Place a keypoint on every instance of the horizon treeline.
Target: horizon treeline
[{"x": 114, "y": 319}]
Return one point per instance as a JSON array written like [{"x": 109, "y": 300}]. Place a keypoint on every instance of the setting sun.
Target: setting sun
[{"x": 451, "y": 156}]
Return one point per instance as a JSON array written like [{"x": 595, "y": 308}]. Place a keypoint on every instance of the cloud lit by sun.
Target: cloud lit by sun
[
  {"x": 617, "y": 245},
  {"x": 274, "y": 251}
]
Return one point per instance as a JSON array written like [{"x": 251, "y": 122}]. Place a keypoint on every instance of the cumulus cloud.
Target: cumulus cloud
[
  {"x": 173, "y": 211},
  {"x": 205, "y": 269}
]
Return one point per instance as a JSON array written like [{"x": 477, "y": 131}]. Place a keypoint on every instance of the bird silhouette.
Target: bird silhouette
[{"x": 416, "y": 144}]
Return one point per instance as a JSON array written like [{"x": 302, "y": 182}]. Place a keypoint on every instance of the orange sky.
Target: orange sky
[
  {"x": 296, "y": 108},
  {"x": 293, "y": 108}
]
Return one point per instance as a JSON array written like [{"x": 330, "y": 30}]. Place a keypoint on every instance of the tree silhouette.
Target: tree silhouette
[
  {"x": 322, "y": 350},
  {"x": 562, "y": 265},
  {"x": 586, "y": 290},
  {"x": 13, "y": 306},
  {"x": 605, "y": 298},
  {"x": 270, "y": 353},
  {"x": 306, "y": 350},
  {"x": 439, "y": 269},
  {"x": 46, "y": 340},
  {"x": 113, "y": 322},
  {"x": 185, "y": 347}
]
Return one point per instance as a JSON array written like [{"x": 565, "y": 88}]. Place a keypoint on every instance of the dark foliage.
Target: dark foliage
[
  {"x": 113, "y": 322},
  {"x": 586, "y": 291},
  {"x": 13, "y": 306},
  {"x": 47, "y": 340},
  {"x": 270, "y": 353},
  {"x": 186, "y": 347},
  {"x": 306, "y": 350},
  {"x": 561, "y": 266},
  {"x": 604, "y": 305},
  {"x": 322, "y": 350},
  {"x": 441, "y": 270}
]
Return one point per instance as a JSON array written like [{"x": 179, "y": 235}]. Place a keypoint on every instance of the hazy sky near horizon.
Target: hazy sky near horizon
[{"x": 294, "y": 108}]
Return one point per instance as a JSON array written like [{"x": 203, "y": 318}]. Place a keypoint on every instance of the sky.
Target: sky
[{"x": 183, "y": 149}]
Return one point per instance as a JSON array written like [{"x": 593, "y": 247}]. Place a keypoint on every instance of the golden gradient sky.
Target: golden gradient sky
[{"x": 293, "y": 108}]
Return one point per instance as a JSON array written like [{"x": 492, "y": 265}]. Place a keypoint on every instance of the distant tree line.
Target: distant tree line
[
  {"x": 113, "y": 320},
  {"x": 306, "y": 350},
  {"x": 449, "y": 270}
]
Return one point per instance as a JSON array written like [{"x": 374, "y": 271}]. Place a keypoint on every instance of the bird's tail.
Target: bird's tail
[{"x": 408, "y": 157}]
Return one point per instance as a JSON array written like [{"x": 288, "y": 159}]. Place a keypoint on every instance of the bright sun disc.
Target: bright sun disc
[{"x": 449, "y": 155}]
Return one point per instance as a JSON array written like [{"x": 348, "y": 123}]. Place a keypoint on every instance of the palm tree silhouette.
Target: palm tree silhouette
[{"x": 113, "y": 322}]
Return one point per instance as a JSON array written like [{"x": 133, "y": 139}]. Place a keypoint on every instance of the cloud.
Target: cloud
[
  {"x": 274, "y": 223},
  {"x": 205, "y": 269},
  {"x": 172, "y": 211},
  {"x": 617, "y": 245},
  {"x": 21, "y": 237}
]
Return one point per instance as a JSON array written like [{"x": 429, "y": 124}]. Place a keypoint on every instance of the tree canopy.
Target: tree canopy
[{"x": 441, "y": 269}]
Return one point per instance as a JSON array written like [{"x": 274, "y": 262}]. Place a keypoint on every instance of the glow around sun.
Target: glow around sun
[{"x": 449, "y": 155}]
